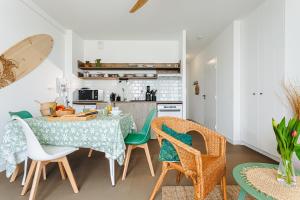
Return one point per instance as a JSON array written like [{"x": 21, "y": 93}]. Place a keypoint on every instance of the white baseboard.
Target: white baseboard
[
  {"x": 276, "y": 158},
  {"x": 234, "y": 142}
]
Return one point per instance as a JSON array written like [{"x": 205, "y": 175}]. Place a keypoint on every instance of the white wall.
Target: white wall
[
  {"x": 292, "y": 47},
  {"x": 292, "y": 40},
  {"x": 182, "y": 56},
  {"x": 222, "y": 49},
  {"x": 18, "y": 21},
  {"x": 124, "y": 51},
  {"x": 74, "y": 52}
]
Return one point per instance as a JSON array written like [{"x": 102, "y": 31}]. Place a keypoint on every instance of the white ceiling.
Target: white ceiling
[{"x": 157, "y": 20}]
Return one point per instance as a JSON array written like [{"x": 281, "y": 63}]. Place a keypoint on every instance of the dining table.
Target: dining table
[{"x": 105, "y": 133}]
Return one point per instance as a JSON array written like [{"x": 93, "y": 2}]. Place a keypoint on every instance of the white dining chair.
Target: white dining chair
[{"x": 41, "y": 155}]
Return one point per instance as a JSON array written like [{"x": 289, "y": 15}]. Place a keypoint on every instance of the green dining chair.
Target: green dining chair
[
  {"x": 22, "y": 114},
  {"x": 140, "y": 140}
]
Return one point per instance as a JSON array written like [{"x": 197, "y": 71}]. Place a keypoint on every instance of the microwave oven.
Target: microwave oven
[{"x": 85, "y": 94}]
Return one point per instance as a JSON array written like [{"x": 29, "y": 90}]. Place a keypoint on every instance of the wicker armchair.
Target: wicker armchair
[{"x": 205, "y": 171}]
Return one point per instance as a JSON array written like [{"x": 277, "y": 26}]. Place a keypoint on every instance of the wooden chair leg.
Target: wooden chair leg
[
  {"x": 224, "y": 187},
  {"x": 15, "y": 174},
  {"x": 36, "y": 180},
  {"x": 29, "y": 177},
  {"x": 44, "y": 173},
  {"x": 127, "y": 161},
  {"x": 159, "y": 181},
  {"x": 149, "y": 159},
  {"x": 197, "y": 195},
  {"x": 90, "y": 153},
  {"x": 62, "y": 171},
  {"x": 70, "y": 174}
]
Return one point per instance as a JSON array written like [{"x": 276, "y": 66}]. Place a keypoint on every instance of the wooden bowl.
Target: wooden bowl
[{"x": 61, "y": 113}]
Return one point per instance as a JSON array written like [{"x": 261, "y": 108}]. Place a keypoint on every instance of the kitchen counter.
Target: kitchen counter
[
  {"x": 87, "y": 102},
  {"x": 96, "y": 102}
]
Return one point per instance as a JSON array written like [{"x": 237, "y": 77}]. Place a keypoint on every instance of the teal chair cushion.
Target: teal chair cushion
[
  {"x": 22, "y": 114},
  {"x": 167, "y": 150},
  {"x": 136, "y": 139}
]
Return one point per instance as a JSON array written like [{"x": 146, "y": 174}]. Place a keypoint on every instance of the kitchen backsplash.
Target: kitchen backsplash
[{"x": 168, "y": 88}]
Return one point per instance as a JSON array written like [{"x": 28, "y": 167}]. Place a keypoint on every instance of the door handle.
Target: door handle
[
  {"x": 170, "y": 110},
  {"x": 204, "y": 96}
]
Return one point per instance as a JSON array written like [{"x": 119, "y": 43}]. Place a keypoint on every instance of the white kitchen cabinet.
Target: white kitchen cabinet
[{"x": 262, "y": 73}]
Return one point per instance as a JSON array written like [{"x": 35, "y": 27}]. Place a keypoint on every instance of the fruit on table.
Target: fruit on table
[{"x": 60, "y": 107}]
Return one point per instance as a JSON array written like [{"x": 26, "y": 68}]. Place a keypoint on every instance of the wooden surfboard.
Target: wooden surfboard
[{"x": 24, "y": 57}]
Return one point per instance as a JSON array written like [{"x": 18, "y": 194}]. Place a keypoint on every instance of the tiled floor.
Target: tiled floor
[{"x": 92, "y": 175}]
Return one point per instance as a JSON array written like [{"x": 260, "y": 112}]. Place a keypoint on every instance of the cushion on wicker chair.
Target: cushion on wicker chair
[{"x": 167, "y": 150}]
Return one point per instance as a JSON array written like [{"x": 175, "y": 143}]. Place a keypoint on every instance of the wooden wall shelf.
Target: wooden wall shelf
[
  {"x": 130, "y": 66},
  {"x": 118, "y": 78}
]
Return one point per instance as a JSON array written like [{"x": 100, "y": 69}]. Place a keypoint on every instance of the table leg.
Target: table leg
[
  {"x": 112, "y": 171},
  {"x": 25, "y": 171},
  {"x": 242, "y": 195}
]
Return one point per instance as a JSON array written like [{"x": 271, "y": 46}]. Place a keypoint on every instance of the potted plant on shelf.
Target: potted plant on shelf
[
  {"x": 98, "y": 62},
  {"x": 287, "y": 137}
]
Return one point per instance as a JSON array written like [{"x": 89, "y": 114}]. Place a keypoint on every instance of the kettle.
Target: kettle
[{"x": 112, "y": 97}]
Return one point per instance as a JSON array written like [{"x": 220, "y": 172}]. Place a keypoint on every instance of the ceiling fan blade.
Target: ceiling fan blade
[{"x": 138, "y": 5}]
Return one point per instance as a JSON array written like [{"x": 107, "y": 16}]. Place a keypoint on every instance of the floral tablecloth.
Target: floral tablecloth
[{"x": 105, "y": 134}]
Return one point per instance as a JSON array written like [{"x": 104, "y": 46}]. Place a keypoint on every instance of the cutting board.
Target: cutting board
[
  {"x": 72, "y": 118},
  {"x": 22, "y": 58}
]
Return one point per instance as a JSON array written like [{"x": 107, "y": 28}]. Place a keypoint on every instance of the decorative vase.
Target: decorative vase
[{"x": 286, "y": 172}]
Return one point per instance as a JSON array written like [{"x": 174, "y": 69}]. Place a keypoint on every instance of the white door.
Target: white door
[
  {"x": 209, "y": 94},
  {"x": 271, "y": 74},
  {"x": 249, "y": 80}
]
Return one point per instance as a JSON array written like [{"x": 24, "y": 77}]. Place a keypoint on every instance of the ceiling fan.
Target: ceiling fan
[{"x": 138, "y": 5}]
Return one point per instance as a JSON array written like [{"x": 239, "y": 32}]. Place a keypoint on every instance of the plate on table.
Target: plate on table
[{"x": 116, "y": 112}]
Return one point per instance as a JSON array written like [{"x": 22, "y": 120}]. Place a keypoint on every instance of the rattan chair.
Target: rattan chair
[{"x": 205, "y": 170}]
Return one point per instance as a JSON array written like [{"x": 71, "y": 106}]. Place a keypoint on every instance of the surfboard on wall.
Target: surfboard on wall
[{"x": 22, "y": 58}]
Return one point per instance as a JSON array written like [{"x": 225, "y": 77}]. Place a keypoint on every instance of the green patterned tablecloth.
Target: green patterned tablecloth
[{"x": 105, "y": 134}]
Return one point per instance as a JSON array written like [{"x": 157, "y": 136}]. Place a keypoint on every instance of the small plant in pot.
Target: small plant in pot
[{"x": 287, "y": 137}]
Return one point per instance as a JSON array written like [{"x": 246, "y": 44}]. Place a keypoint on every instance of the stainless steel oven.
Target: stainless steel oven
[{"x": 169, "y": 110}]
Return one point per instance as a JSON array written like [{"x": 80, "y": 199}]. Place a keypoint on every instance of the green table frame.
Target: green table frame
[{"x": 246, "y": 188}]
